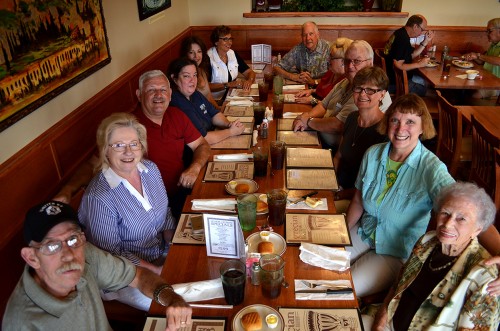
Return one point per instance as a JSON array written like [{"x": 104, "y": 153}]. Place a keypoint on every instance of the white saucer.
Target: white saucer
[
  {"x": 278, "y": 241},
  {"x": 263, "y": 311},
  {"x": 252, "y": 186}
]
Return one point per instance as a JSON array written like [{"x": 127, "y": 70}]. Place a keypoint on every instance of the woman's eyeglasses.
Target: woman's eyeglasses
[
  {"x": 369, "y": 91},
  {"x": 226, "y": 39},
  {"x": 120, "y": 147}
]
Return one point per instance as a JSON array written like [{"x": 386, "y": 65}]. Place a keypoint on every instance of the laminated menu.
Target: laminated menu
[
  {"x": 226, "y": 171},
  {"x": 286, "y": 124},
  {"x": 299, "y": 138},
  {"x": 213, "y": 324},
  {"x": 235, "y": 142},
  {"x": 322, "y": 229},
  {"x": 311, "y": 179},
  {"x": 302, "y": 157},
  {"x": 319, "y": 319},
  {"x": 246, "y": 111}
]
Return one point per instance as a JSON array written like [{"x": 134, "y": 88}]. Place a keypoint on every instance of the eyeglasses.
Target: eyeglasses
[
  {"x": 120, "y": 147},
  {"x": 491, "y": 30},
  {"x": 355, "y": 62},
  {"x": 52, "y": 247},
  {"x": 421, "y": 27},
  {"x": 226, "y": 39},
  {"x": 369, "y": 91}
]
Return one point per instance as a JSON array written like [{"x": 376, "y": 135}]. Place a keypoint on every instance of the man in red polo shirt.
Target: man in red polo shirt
[{"x": 168, "y": 131}]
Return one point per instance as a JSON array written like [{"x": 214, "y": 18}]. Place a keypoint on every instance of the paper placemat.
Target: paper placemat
[{"x": 321, "y": 229}]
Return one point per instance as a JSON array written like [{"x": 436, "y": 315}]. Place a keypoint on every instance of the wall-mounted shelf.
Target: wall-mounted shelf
[{"x": 327, "y": 14}]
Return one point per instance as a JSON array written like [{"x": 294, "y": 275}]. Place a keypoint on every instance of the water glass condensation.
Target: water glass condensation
[
  {"x": 233, "y": 275},
  {"x": 259, "y": 110},
  {"x": 278, "y": 84},
  {"x": 271, "y": 275},
  {"x": 260, "y": 160},
  {"x": 278, "y": 150},
  {"x": 247, "y": 211},
  {"x": 276, "y": 203}
]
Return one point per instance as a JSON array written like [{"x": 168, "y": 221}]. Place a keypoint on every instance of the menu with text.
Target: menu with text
[
  {"x": 320, "y": 319},
  {"x": 235, "y": 142},
  {"x": 311, "y": 179},
  {"x": 299, "y": 137},
  {"x": 224, "y": 237},
  {"x": 246, "y": 111},
  {"x": 317, "y": 229},
  {"x": 226, "y": 171},
  {"x": 301, "y": 157}
]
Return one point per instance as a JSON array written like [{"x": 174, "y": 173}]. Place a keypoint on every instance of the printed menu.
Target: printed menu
[
  {"x": 317, "y": 229},
  {"x": 246, "y": 111},
  {"x": 235, "y": 142},
  {"x": 299, "y": 138},
  {"x": 311, "y": 179},
  {"x": 224, "y": 237},
  {"x": 226, "y": 171},
  {"x": 319, "y": 319},
  {"x": 212, "y": 324},
  {"x": 308, "y": 158}
]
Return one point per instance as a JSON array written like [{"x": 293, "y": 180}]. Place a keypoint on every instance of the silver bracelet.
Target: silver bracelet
[{"x": 157, "y": 292}]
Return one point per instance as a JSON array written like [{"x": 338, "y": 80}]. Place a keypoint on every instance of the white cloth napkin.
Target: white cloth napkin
[
  {"x": 233, "y": 157},
  {"x": 236, "y": 97},
  {"x": 302, "y": 205},
  {"x": 299, "y": 285},
  {"x": 291, "y": 114},
  {"x": 294, "y": 87},
  {"x": 227, "y": 205},
  {"x": 245, "y": 102},
  {"x": 325, "y": 257},
  {"x": 464, "y": 76},
  {"x": 199, "y": 291}
]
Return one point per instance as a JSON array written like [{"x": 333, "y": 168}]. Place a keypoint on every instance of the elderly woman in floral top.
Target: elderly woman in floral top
[{"x": 443, "y": 285}]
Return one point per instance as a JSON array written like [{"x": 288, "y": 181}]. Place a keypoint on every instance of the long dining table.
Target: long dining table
[
  {"x": 190, "y": 263},
  {"x": 489, "y": 116}
]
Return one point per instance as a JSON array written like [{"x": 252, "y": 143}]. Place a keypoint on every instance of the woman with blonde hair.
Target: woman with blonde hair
[{"x": 332, "y": 76}]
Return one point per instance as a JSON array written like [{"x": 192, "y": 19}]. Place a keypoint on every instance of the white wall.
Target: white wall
[{"x": 130, "y": 41}]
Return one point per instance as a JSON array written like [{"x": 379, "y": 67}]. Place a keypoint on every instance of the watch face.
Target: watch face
[{"x": 152, "y": 4}]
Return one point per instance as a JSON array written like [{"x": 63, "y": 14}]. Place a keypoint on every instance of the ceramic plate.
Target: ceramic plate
[
  {"x": 253, "y": 186},
  {"x": 278, "y": 241},
  {"x": 432, "y": 64},
  {"x": 462, "y": 64},
  {"x": 263, "y": 311}
]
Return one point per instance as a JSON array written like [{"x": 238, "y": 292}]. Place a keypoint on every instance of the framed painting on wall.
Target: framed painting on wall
[
  {"x": 47, "y": 47},
  {"x": 148, "y": 8}
]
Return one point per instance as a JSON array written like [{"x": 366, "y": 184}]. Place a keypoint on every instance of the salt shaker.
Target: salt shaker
[
  {"x": 264, "y": 128},
  {"x": 254, "y": 273}
]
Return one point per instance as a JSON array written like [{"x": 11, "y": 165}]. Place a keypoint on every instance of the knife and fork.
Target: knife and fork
[
  {"x": 302, "y": 198},
  {"x": 326, "y": 288}
]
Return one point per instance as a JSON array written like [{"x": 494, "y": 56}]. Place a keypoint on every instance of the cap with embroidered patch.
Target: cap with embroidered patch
[{"x": 43, "y": 217}]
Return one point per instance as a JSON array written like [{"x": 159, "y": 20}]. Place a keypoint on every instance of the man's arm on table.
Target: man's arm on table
[
  {"x": 80, "y": 178},
  {"x": 201, "y": 152},
  {"x": 177, "y": 310}
]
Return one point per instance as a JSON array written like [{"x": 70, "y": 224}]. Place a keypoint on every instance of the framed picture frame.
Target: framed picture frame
[
  {"x": 149, "y": 8},
  {"x": 45, "y": 50}
]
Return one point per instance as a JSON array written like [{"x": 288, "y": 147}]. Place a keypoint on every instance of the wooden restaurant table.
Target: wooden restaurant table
[
  {"x": 489, "y": 116},
  {"x": 189, "y": 263},
  {"x": 434, "y": 77}
]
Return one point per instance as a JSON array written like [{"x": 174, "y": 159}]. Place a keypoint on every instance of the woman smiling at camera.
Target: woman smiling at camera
[
  {"x": 444, "y": 283},
  {"x": 226, "y": 63},
  {"x": 194, "y": 49},
  {"x": 184, "y": 76},
  {"x": 125, "y": 207}
]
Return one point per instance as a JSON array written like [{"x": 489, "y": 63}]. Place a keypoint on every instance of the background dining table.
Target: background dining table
[
  {"x": 190, "y": 263},
  {"x": 489, "y": 116}
]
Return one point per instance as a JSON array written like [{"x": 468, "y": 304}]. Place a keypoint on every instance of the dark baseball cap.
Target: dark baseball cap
[{"x": 43, "y": 217}]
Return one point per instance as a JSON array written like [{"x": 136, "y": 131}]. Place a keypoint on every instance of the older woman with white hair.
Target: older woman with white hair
[
  {"x": 443, "y": 285},
  {"x": 125, "y": 207}
]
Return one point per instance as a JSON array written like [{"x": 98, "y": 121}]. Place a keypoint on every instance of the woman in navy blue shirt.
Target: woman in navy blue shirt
[{"x": 185, "y": 96}]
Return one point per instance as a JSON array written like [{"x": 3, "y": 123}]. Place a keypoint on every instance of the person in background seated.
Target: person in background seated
[
  {"x": 360, "y": 128},
  {"x": 332, "y": 76},
  {"x": 308, "y": 61},
  {"x": 194, "y": 48},
  {"x": 328, "y": 116},
  {"x": 395, "y": 187},
  {"x": 490, "y": 59},
  {"x": 59, "y": 288},
  {"x": 185, "y": 96},
  {"x": 399, "y": 48},
  {"x": 125, "y": 207},
  {"x": 443, "y": 285},
  {"x": 226, "y": 64}
]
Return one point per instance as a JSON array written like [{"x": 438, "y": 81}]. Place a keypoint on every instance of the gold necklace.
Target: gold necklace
[
  {"x": 441, "y": 267},
  {"x": 356, "y": 137}
]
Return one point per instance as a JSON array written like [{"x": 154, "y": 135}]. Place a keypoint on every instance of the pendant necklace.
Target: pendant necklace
[
  {"x": 441, "y": 267},
  {"x": 356, "y": 136}
]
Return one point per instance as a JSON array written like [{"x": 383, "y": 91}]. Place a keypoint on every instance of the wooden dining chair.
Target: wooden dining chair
[
  {"x": 402, "y": 89},
  {"x": 483, "y": 167},
  {"x": 379, "y": 59},
  {"x": 497, "y": 181},
  {"x": 452, "y": 146}
]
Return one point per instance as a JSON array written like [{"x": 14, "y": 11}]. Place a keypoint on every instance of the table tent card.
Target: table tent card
[
  {"x": 224, "y": 237},
  {"x": 261, "y": 53}
]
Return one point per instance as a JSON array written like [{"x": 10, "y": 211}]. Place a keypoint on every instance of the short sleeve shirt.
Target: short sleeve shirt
[
  {"x": 199, "y": 110},
  {"x": 398, "y": 47},
  {"x": 300, "y": 58},
  {"x": 166, "y": 144},
  {"x": 494, "y": 50}
]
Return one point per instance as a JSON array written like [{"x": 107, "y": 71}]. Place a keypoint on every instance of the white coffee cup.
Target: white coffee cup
[{"x": 471, "y": 74}]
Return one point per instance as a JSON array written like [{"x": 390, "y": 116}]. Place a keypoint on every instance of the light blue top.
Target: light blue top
[{"x": 404, "y": 213}]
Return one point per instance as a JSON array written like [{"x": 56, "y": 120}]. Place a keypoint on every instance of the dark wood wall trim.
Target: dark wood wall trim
[{"x": 380, "y": 14}]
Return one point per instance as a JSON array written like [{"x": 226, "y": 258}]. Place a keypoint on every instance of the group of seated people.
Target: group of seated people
[{"x": 138, "y": 179}]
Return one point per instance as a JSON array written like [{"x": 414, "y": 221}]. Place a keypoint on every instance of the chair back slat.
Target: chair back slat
[
  {"x": 401, "y": 80},
  {"x": 450, "y": 134}
]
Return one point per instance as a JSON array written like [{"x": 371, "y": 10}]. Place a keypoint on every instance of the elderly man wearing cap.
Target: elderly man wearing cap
[{"x": 59, "y": 288}]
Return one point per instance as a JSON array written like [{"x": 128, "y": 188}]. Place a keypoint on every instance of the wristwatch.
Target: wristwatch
[
  {"x": 309, "y": 120},
  {"x": 314, "y": 101},
  {"x": 226, "y": 86},
  {"x": 157, "y": 292}
]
